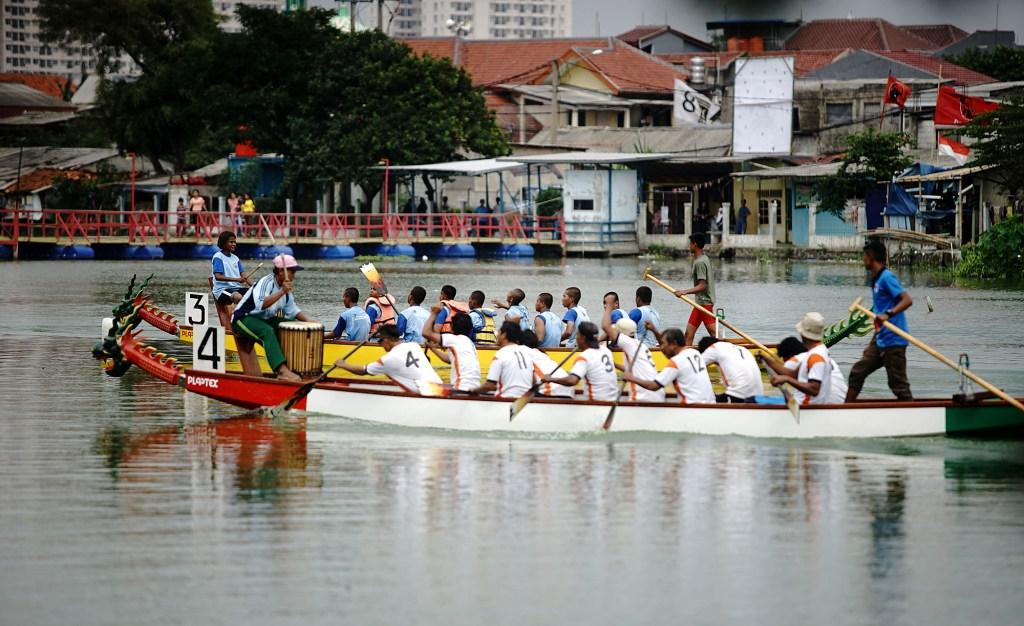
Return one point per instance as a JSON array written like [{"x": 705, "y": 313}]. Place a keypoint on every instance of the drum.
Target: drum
[{"x": 303, "y": 347}]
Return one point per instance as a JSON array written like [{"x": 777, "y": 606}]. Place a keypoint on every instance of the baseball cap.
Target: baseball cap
[{"x": 286, "y": 261}]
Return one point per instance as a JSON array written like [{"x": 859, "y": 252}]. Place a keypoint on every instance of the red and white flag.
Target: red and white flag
[
  {"x": 954, "y": 109},
  {"x": 955, "y": 149}
]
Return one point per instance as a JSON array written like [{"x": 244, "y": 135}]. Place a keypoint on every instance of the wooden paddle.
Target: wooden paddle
[
  {"x": 374, "y": 277},
  {"x": 522, "y": 401},
  {"x": 304, "y": 390},
  {"x": 249, "y": 274},
  {"x": 856, "y": 306},
  {"x": 622, "y": 387},
  {"x": 794, "y": 407}
]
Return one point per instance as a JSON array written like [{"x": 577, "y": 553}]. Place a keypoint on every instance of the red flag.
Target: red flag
[
  {"x": 896, "y": 92},
  {"x": 954, "y": 109},
  {"x": 955, "y": 149}
]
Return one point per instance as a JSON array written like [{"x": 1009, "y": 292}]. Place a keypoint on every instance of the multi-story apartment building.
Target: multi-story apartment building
[
  {"x": 488, "y": 19},
  {"x": 226, "y": 9}
]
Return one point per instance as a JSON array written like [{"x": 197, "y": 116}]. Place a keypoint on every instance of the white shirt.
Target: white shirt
[
  {"x": 815, "y": 365},
  {"x": 405, "y": 364},
  {"x": 544, "y": 365},
  {"x": 643, "y": 368},
  {"x": 465, "y": 372},
  {"x": 837, "y": 382},
  {"x": 687, "y": 372},
  {"x": 512, "y": 370},
  {"x": 740, "y": 373},
  {"x": 596, "y": 368}
]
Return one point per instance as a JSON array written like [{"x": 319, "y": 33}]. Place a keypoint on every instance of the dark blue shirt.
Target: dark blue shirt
[{"x": 885, "y": 293}]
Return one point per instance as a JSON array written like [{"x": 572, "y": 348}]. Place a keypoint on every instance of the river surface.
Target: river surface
[{"x": 126, "y": 501}]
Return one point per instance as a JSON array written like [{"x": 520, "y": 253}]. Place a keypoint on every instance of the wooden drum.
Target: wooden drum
[{"x": 303, "y": 347}]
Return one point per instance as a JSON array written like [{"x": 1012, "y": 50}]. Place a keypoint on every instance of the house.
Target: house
[
  {"x": 866, "y": 33},
  {"x": 18, "y": 99},
  {"x": 940, "y": 35},
  {"x": 751, "y": 35},
  {"x": 659, "y": 40}
]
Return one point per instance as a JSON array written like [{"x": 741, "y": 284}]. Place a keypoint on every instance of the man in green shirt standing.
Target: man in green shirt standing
[{"x": 703, "y": 291}]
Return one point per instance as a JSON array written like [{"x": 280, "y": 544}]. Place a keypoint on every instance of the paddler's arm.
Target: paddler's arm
[
  {"x": 230, "y": 279},
  {"x": 651, "y": 328},
  {"x": 359, "y": 370},
  {"x": 775, "y": 365},
  {"x": 499, "y": 305},
  {"x": 609, "y": 329},
  {"x": 432, "y": 331},
  {"x": 811, "y": 387},
  {"x": 569, "y": 326},
  {"x": 701, "y": 285},
  {"x": 487, "y": 387},
  {"x": 565, "y": 381},
  {"x": 441, "y": 354},
  {"x": 539, "y": 327},
  {"x": 653, "y": 385}
]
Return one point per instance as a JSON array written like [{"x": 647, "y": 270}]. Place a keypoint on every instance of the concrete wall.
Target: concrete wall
[{"x": 593, "y": 185}]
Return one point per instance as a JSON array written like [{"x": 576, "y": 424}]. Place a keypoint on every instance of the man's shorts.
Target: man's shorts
[
  {"x": 226, "y": 297},
  {"x": 697, "y": 318}
]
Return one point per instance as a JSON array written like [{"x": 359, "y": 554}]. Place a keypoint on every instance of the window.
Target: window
[
  {"x": 764, "y": 199},
  {"x": 583, "y": 205},
  {"x": 796, "y": 119},
  {"x": 871, "y": 111},
  {"x": 840, "y": 113}
]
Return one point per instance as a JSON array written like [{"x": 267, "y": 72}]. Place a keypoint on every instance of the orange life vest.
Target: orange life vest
[
  {"x": 452, "y": 307},
  {"x": 387, "y": 316}
]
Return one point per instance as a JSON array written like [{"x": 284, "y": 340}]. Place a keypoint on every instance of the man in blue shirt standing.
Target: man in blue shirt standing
[
  {"x": 353, "y": 323},
  {"x": 887, "y": 349}
]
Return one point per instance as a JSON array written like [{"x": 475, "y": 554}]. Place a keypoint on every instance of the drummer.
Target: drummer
[{"x": 255, "y": 319}]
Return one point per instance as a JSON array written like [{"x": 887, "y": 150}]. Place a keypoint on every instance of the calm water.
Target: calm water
[{"x": 126, "y": 501}]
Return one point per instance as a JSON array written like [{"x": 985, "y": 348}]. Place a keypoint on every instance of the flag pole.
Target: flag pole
[{"x": 885, "y": 96}]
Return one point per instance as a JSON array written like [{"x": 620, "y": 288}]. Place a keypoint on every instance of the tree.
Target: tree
[
  {"x": 999, "y": 137},
  {"x": 871, "y": 158},
  {"x": 1002, "y": 62}
]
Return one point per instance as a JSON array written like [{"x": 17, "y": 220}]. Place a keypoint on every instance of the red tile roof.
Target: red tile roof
[
  {"x": 635, "y": 35},
  {"x": 45, "y": 177},
  {"x": 628, "y": 69},
  {"x": 48, "y": 84},
  {"x": 869, "y": 33},
  {"x": 941, "y": 35},
  {"x": 806, "y": 60},
  {"x": 938, "y": 67}
]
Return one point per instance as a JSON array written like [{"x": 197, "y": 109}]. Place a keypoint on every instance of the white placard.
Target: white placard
[
  {"x": 763, "y": 106},
  {"x": 208, "y": 348},
  {"x": 691, "y": 106},
  {"x": 197, "y": 308}
]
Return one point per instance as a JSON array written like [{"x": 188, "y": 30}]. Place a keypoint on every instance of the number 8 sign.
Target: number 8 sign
[{"x": 208, "y": 348}]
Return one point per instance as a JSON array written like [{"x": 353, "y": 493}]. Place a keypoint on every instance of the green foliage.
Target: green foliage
[
  {"x": 549, "y": 201},
  {"x": 999, "y": 137},
  {"x": 245, "y": 179},
  {"x": 871, "y": 158},
  {"x": 1002, "y": 62},
  {"x": 999, "y": 252}
]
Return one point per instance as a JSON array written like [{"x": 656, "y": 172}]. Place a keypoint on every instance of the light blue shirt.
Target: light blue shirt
[
  {"x": 410, "y": 323},
  {"x": 577, "y": 315},
  {"x": 553, "y": 328},
  {"x": 353, "y": 324},
  {"x": 641, "y": 315},
  {"x": 518, "y": 310},
  {"x": 617, "y": 315},
  {"x": 228, "y": 265},
  {"x": 252, "y": 302}
]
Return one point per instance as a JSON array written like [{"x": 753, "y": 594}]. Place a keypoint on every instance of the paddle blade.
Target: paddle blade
[
  {"x": 792, "y": 404},
  {"x": 371, "y": 273},
  {"x": 521, "y": 403},
  {"x": 433, "y": 390},
  {"x": 611, "y": 416}
]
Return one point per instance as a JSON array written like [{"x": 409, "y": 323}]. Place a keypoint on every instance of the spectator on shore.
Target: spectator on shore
[{"x": 741, "y": 217}]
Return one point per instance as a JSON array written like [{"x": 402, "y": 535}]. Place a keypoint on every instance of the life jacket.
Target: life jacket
[
  {"x": 452, "y": 307},
  {"x": 387, "y": 316},
  {"x": 485, "y": 334}
]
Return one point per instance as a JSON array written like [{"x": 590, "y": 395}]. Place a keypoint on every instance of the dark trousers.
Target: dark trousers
[{"x": 894, "y": 360}]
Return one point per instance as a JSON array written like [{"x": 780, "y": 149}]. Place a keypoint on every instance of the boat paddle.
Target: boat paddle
[
  {"x": 523, "y": 400},
  {"x": 374, "y": 277},
  {"x": 791, "y": 403},
  {"x": 248, "y": 275},
  {"x": 304, "y": 390},
  {"x": 622, "y": 387},
  {"x": 856, "y": 306}
]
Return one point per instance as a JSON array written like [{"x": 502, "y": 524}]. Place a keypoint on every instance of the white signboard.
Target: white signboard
[
  {"x": 690, "y": 106},
  {"x": 208, "y": 348},
  {"x": 763, "y": 106},
  {"x": 197, "y": 309}
]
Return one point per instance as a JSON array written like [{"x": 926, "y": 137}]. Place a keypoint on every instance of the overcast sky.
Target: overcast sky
[{"x": 616, "y": 16}]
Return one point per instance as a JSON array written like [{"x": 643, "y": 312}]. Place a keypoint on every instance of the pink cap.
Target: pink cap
[{"x": 283, "y": 261}]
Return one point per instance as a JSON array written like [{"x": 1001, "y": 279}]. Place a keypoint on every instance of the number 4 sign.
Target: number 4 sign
[
  {"x": 208, "y": 348},
  {"x": 197, "y": 307}
]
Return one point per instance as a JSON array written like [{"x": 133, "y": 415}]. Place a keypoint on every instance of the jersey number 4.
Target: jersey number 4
[{"x": 411, "y": 361}]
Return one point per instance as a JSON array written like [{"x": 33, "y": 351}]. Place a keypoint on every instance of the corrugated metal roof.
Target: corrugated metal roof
[
  {"x": 473, "y": 167},
  {"x": 36, "y": 157},
  {"x": 950, "y": 174},
  {"x": 18, "y": 96},
  {"x": 811, "y": 170},
  {"x": 583, "y": 158},
  {"x": 711, "y": 140}
]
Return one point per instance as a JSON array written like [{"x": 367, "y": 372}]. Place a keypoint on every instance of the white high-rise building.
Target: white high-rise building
[
  {"x": 226, "y": 9},
  {"x": 488, "y": 19}
]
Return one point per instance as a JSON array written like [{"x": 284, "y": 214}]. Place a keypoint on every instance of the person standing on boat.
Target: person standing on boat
[
  {"x": 411, "y": 320},
  {"x": 594, "y": 366},
  {"x": 451, "y": 306},
  {"x": 636, "y": 356},
  {"x": 546, "y": 325},
  {"x": 685, "y": 371},
  {"x": 813, "y": 381},
  {"x": 511, "y": 372},
  {"x": 404, "y": 363},
  {"x": 353, "y": 323},
  {"x": 255, "y": 318},
  {"x": 793, "y": 353},
  {"x": 703, "y": 290},
  {"x": 887, "y": 349},
  {"x": 737, "y": 366},
  {"x": 380, "y": 307},
  {"x": 574, "y": 315},
  {"x": 483, "y": 319},
  {"x": 228, "y": 283},
  {"x": 544, "y": 365},
  {"x": 516, "y": 311},
  {"x": 644, "y": 313},
  {"x": 461, "y": 355}
]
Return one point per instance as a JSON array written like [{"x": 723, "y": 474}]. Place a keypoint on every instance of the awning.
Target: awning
[
  {"x": 952, "y": 174},
  {"x": 810, "y": 170},
  {"x": 588, "y": 158},
  {"x": 474, "y": 167},
  {"x": 900, "y": 202}
]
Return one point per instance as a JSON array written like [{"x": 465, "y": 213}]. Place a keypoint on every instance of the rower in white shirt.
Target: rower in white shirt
[
  {"x": 637, "y": 358},
  {"x": 794, "y": 353},
  {"x": 404, "y": 363},
  {"x": 594, "y": 366},
  {"x": 544, "y": 365},
  {"x": 737, "y": 366},
  {"x": 511, "y": 372},
  {"x": 685, "y": 371},
  {"x": 461, "y": 351},
  {"x": 813, "y": 378}
]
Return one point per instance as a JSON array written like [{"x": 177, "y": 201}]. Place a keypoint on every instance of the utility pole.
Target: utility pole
[
  {"x": 555, "y": 80},
  {"x": 380, "y": 15}
]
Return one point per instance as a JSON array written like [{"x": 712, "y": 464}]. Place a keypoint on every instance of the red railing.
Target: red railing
[{"x": 156, "y": 227}]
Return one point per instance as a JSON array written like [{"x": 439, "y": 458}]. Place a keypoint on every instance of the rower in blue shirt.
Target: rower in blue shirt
[
  {"x": 887, "y": 349},
  {"x": 227, "y": 282},
  {"x": 353, "y": 323},
  {"x": 644, "y": 313},
  {"x": 516, "y": 312},
  {"x": 411, "y": 320},
  {"x": 611, "y": 300},
  {"x": 546, "y": 325},
  {"x": 574, "y": 315}
]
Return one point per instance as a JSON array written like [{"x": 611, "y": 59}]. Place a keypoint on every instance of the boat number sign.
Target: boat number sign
[
  {"x": 208, "y": 348},
  {"x": 197, "y": 309}
]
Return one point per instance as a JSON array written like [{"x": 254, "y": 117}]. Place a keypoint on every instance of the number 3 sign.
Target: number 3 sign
[
  {"x": 197, "y": 306},
  {"x": 208, "y": 348}
]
